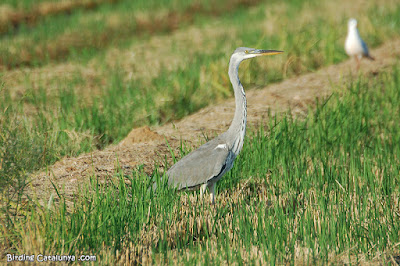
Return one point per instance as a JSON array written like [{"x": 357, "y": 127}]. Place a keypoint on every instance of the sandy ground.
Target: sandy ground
[{"x": 145, "y": 146}]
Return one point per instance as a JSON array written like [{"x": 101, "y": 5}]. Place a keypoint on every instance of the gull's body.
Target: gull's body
[
  {"x": 354, "y": 45},
  {"x": 206, "y": 165}
]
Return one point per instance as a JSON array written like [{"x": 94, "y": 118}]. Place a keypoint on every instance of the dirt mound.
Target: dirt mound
[
  {"x": 141, "y": 134},
  {"x": 146, "y": 147}
]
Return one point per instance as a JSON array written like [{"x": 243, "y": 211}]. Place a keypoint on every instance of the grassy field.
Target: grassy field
[
  {"x": 325, "y": 188},
  {"x": 97, "y": 94}
]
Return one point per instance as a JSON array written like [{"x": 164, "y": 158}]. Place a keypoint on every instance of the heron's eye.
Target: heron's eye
[{"x": 246, "y": 51}]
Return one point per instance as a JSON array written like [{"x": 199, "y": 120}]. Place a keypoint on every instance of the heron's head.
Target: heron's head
[
  {"x": 243, "y": 53},
  {"x": 352, "y": 24}
]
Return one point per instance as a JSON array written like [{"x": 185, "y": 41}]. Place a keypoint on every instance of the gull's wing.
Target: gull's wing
[
  {"x": 365, "y": 50},
  {"x": 199, "y": 166}
]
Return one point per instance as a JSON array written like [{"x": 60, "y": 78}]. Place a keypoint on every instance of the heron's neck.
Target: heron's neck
[{"x": 237, "y": 129}]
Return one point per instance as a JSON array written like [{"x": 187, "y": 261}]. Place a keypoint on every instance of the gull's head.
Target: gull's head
[
  {"x": 243, "y": 53},
  {"x": 352, "y": 24}
]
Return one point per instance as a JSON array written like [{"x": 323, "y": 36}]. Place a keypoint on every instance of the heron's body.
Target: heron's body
[
  {"x": 354, "y": 45},
  {"x": 206, "y": 165},
  {"x": 210, "y": 161}
]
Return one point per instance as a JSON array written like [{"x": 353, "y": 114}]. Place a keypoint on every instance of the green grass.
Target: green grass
[
  {"x": 70, "y": 36},
  {"x": 44, "y": 125},
  {"x": 121, "y": 106},
  {"x": 138, "y": 5},
  {"x": 25, "y": 4},
  {"x": 54, "y": 126},
  {"x": 344, "y": 155},
  {"x": 328, "y": 184}
]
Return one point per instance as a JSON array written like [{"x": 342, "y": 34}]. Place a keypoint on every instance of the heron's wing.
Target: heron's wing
[{"x": 199, "y": 166}]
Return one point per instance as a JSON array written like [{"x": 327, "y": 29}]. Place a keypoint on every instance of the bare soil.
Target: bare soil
[{"x": 147, "y": 147}]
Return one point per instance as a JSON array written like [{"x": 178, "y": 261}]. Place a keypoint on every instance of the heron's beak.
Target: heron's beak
[{"x": 265, "y": 52}]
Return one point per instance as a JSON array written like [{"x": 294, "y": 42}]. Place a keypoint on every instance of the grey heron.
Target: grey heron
[
  {"x": 354, "y": 45},
  {"x": 206, "y": 165}
]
